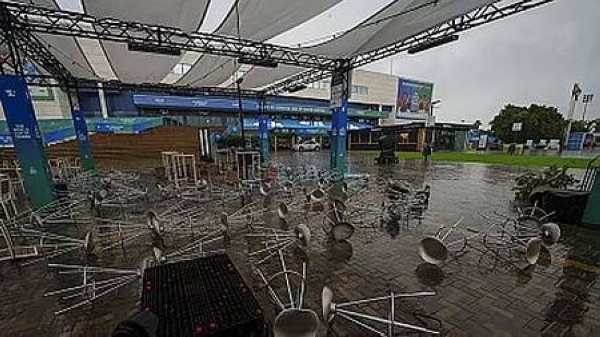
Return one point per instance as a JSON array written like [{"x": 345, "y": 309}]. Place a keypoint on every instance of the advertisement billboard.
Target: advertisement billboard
[{"x": 413, "y": 100}]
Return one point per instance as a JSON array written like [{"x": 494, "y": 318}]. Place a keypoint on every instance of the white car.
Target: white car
[{"x": 309, "y": 145}]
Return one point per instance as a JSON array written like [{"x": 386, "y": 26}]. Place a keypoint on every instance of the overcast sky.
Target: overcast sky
[{"x": 533, "y": 57}]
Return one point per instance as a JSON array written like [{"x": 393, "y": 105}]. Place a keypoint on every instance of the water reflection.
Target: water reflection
[
  {"x": 429, "y": 274},
  {"x": 572, "y": 297},
  {"x": 339, "y": 251}
]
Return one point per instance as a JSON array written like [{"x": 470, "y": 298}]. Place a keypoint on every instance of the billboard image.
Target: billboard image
[{"x": 413, "y": 100}]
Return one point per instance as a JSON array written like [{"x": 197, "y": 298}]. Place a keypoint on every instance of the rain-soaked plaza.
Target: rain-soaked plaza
[{"x": 478, "y": 291}]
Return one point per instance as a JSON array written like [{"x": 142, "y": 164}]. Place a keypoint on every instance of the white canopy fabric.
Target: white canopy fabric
[
  {"x": 260, "y": 20},
  {"x": 65, "y": 49},
  {"x": 140, "y": 67},
  {"x": 68, "y": 52},
  {"x": 396, "y": 22}
]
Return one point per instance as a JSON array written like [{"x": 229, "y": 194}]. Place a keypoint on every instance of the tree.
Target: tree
[
  {"x": 579, "y": 126},
  {"x": 539, "y": 122}
]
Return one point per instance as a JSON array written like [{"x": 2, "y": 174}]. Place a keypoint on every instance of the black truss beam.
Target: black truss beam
[
  {"x": 478, "y": 17},
  {"x": 20, "y": 46},
  {"x": 117, "y": 86},
  {"x": 58, "y": 22},
  {"x": 23, "y": 20}
]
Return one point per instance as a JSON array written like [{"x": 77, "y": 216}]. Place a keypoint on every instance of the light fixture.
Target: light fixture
[
  {"x": 296, "y": 87},
  {"x": 156, "y": 49},
  {"x": 260, "y": 61},
  {"x": 432, "y": 43}
]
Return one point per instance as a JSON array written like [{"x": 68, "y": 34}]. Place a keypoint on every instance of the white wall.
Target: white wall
[
  {"x": 381, "y": 89},
  {"x": 48, "y": 103}
]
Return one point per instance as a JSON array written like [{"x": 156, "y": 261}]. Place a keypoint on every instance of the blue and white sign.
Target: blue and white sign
[
  {"x": 27, "y": 139},
  {"x": 263, "y": 132}
]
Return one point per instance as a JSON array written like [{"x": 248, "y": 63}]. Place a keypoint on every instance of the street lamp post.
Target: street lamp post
[
  {"x": 574, "y": 97},
  {"x": 587, "y": 99},
  {"x": 431, "y": 119}
]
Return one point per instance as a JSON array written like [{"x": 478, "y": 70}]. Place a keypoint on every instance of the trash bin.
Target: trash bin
[
  {"x": 591, "y": 215},
  {"x": 568, "y": 205}
]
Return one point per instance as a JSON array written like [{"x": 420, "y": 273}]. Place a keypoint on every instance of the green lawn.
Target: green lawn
[{"x": 494, "y": 158}]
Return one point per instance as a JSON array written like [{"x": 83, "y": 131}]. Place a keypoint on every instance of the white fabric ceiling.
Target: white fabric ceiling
[
  {"x": 260, "y": 20},
  {"x": 65, "y": 49},
  {"x": 139, "y": 67},
  {"x": 370, "y": 35}
]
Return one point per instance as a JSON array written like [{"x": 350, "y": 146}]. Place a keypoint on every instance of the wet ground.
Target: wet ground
[{"x": 477, "y": 294}]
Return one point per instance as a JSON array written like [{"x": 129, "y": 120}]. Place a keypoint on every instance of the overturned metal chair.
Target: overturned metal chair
[
  {"x": 96, "y": 283},
  {"x": 332, "y": 309},
  {"x": 293, "y": 319},
  {"x": 32, "y": 246},
  {"x": 274, "y": 241}
]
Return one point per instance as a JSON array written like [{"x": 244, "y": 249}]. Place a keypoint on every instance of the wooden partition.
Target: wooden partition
[{"x": 128, "y": 150}]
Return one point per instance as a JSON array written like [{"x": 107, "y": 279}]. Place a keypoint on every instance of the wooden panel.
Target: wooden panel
[{"x": 128, "y": 150}]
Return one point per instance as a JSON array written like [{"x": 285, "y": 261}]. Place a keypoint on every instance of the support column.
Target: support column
[
  {"x": 263, "y": 139},
  {"x": 340, "y": 93},
  {"x": 27, "y": 139},
  {"x": 102, "y": 98},
  {"x": 81, "y": 132},
  {"x": 83, "y": 141}
]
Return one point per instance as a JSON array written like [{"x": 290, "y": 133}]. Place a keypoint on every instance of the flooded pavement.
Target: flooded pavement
[{"x": 478, "y": 294}]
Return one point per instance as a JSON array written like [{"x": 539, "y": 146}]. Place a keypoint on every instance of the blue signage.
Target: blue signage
[
  {"x": 339, "y": 131},
  {"x": 249, "y": 104},
  {"x": 263, "y": 138},
  {"x": 83, "y": 140},
  {"x": 194, "y": 102},
  {"x": 27, "y": 138}
]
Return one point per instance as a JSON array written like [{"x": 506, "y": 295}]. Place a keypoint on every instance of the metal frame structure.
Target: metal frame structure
[
  {"x": 59, "y": 22},
  {"x": 19, "y": 21}
]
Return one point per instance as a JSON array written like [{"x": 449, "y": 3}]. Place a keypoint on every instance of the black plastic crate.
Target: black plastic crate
[{"x": 202, "y": 297}]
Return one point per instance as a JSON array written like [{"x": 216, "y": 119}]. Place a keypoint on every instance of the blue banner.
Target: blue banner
[
  {"x": 272, "y": 105},
  {"x": 83, "y": 140},
  {"x": 340, "y": 93},
  {"x": 27, "y": 138},
  {"x": 339, "y": 132},
  {"x": 194, "y": 102},
  {"x": 263, "y": 138}
]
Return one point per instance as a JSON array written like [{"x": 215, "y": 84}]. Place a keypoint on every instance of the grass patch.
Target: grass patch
[{"x": 496, "y": 158}]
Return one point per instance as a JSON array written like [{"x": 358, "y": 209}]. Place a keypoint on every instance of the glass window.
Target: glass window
[
  {"x": 375, "y": 136},
  {"x": 363, "y": 90},
  {"x": 364, "y": 137}
]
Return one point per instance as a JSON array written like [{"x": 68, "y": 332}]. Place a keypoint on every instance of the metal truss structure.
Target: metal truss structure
[
  {"x": 58, "y": 22},
  {"x": 19, "y": 22}
]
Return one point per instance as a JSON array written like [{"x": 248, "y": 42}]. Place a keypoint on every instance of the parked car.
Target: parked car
[{"x": 309, "y": 145}]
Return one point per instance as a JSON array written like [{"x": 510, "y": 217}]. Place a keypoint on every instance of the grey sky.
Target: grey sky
[{"x": 534, "y": 57}]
